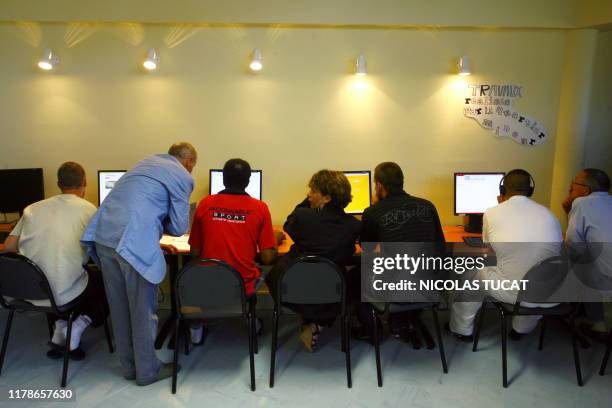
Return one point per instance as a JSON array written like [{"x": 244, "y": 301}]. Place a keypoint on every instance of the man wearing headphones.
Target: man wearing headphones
[{"x": 522, "y": 233}]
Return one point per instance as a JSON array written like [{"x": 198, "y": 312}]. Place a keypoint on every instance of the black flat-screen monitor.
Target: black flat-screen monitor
[
  {"x": 106, "y": 182},
  {"x": 20, "y": 188},
  {"x": 253, "y": 189},
  {"x": 361, "y": 191}
]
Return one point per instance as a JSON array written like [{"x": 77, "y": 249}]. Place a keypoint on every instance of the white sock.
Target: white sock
[
  {"x": 196, "y": 334},
  {"x": 78, "y": 327},
  {"x": 59, "y": 336}
]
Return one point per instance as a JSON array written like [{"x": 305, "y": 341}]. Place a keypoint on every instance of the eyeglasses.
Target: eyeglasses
[{"x": 580, "y": 184}]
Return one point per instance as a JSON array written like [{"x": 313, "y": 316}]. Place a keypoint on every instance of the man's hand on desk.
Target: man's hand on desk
[{"x": 280, "y": 237}]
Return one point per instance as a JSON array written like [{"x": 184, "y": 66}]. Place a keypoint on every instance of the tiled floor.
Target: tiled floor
[{"x": 217, "y": 374}]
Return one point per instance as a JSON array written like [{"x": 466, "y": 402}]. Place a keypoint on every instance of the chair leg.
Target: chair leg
[
  {"x": 187, "y": 333},
  {"x": 439, "y": 336},
  {"x": 346, "y": 321},
  {"x": 377, "y": 348},
  {"x": 274, "y": 340},
  {"x": 49, "y": 325},
  {"x": 542, "y": 330},
  {"x": 576, "y": 353},
  {"x": 254, "y": 326},
  {"x": 604, "y": 362},
  {"x": 478, "y": 326},
  {"x": 109, "y": 339},
  {"x": 67, "y": 349},
  {"x": 7, "y": 332},
  {"x": 177, "y": 340},
  {"x": 504, "y": 329},
  {"x": 250, "y": 325}
]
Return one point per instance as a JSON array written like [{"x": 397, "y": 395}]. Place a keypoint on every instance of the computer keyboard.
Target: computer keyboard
[{"x": 474, "y": 242}]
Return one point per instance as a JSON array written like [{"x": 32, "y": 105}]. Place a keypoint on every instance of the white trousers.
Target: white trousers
[{"x": 463, "y": 314}]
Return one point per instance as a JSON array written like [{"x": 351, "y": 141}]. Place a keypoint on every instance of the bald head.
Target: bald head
[
  {"x": 517, "y": 182},
  {"x": 185, "y": 153}
]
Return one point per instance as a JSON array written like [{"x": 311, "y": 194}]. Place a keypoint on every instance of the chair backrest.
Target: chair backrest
[
  {"x": 312, "y": 280},
  {"x": 544, "y": 279},
  {"x": 22, "y": 279},
  {"x": 212, "y": 286}
]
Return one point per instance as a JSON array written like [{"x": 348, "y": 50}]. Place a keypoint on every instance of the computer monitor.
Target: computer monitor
[
  {"x": 360, "y": 190},
  {"x": 474, "y": 194},
  {"x": 20, "y": 188},
  {"x": 106, "y": 182},
  {"x": 253, "y": 189}
]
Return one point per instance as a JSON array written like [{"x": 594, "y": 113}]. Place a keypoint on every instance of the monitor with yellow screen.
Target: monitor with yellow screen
[{"x": 360, "y": 190}]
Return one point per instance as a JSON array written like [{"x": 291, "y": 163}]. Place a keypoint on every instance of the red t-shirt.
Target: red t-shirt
[{"x": 231, "y": 227}]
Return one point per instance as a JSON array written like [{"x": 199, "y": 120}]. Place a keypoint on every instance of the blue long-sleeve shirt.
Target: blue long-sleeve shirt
[{"x": 150, "y": 199}]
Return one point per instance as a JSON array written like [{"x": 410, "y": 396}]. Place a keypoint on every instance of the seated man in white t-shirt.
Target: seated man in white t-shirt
[
  {"x": 522, "y": 234},
  {"x": 48, "y": 233}
]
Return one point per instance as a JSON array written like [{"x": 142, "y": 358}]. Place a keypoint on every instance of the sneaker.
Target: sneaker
[{"x": 164, "y": 372}]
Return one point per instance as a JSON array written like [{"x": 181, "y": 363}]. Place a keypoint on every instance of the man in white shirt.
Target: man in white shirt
[
  {"x": 48, "y": 233},
  {"x": 589, "y": 208},
  {"x": 522, "y": 233}
]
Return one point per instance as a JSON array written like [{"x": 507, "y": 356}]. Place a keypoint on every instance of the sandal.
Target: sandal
[{"x": 310, "y": 335}]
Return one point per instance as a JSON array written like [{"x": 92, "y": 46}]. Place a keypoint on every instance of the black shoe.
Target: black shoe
[
  {"x": 514, "y": 335},
  {"x": 164, "y": 372},
  {"x": 361, "y": 334},
  {"x": 411, "y": 335},
  {"x": 57, "y": 352},
  {"x": 598, "y": 336},
  {"x": 462, "y": 337}
]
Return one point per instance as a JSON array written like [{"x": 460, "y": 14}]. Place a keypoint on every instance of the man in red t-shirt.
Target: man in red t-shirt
[{"x": 232, "y": 226}]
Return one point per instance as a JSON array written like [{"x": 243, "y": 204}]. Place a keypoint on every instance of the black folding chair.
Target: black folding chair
[
  {"x": 22, "y": 279},
  {"x": 544, "y": 279},
  {"x": 313, "y": 280},
  {"x": 393, "y": 308},
  {"x": 211, "y": 289},
  {"x": 604, "y": 362}
]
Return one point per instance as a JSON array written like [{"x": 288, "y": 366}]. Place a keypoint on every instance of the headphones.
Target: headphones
[{"x": 530, "y": 190}]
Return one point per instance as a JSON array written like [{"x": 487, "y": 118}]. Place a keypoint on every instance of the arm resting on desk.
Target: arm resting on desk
[{"x": 11, "y": 244}]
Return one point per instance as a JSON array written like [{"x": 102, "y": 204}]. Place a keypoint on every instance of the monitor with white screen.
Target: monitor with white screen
[
  {"x": 106, "y": 182},
  {"x": 476, "y": 192},
  {"x": 360, "y": 190},
  {"x": 253, "y": 189}
]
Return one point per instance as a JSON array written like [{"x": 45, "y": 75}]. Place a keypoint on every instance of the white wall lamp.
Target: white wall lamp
[
  {"x": 463, "y": 66},
  {"x": 152, "y": 60},
  {"x": 360, "y": 66},
  {"x": 256, "y": 64},
  {"x": 48, "y": 60}
]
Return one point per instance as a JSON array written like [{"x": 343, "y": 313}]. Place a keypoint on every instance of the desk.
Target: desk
[{"x": 452, "y": 234}]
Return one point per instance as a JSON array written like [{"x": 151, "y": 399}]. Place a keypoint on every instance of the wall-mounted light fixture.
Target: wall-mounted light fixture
[
  {"x": 360, "y": 66},
  {"x": 152, "y": 60},
  {"x": 256, "y": 64},
  {"x": 463, "y": 66},
  {"x": 48, "y": 60}
]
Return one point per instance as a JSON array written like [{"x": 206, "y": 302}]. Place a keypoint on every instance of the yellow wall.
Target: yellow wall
[
  {"x": 301, "y": 114},
  {"x": 598, "y": 149}
]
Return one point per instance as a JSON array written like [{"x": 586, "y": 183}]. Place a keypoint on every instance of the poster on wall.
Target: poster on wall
[{"x": 491, "y": 106}]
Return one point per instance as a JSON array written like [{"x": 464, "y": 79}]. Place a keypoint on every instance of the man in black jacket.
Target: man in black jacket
[{"x": 396, "y": 217}]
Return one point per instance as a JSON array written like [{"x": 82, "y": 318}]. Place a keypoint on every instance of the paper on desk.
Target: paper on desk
[{"x": 179, "y": 244}]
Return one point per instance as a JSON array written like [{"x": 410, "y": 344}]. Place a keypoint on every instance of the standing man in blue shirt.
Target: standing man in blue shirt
[
  {"x": 589, "y": 208},
  {"x": 123, "y": 238}
]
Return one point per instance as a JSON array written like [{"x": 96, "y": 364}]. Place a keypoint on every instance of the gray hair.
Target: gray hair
[
  {"x": 597, "y": 180},
  {"x": 182, "y": 150}
]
